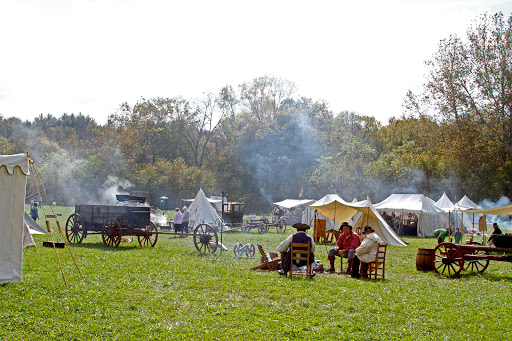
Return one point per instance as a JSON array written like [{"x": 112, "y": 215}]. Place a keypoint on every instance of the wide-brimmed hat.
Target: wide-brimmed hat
[
  {"x": 368, "y": 228},
  {"x": 301, "y": 226}
]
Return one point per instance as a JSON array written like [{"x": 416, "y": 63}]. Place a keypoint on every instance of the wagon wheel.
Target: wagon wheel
[
  {"x": 250, "y": 250},
  {"x": 246, "y": 227},
  {"x": 205, "y": 238},
  {"x": 281, "y": 226},
  {"x": 262, "y": 228},
  {"x": 236, "y": 249},
  {"x": 479, "y": 265},
  {"x": 75, "y": 228},
  {"x": 149, "y": 235},
  {"x": 448, "y": 259},
  {"x": 111, "y": 233}
]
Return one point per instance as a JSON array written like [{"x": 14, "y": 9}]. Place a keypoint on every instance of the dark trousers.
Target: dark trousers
[
  {"x": 184, "y": 226},
  {"x": 177, "y": 227},
  {"x": 355, "y": 268}
]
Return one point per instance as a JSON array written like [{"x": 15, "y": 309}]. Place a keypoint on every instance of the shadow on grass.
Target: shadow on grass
[{"x": 100, "y": 246}]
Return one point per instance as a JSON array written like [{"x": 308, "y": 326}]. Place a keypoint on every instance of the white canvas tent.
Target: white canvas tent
[
  {"x": 13, "y": 176},
  {"x": 430, "y": 217},
  {"x": 201, "y": 211},
  {"x": 340, "y": 211},
  {"x": 217, "y": 203},
  {"x": 291, "y": 203},
  {"x": 469, "y": 220},
  {"x": 309, "y": 213}
]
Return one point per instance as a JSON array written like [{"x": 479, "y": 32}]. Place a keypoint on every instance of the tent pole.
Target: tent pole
[{"x": 449, "y": 226}]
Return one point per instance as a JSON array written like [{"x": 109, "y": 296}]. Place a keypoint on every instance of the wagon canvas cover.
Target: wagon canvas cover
[{"x": 13, "y": 177}]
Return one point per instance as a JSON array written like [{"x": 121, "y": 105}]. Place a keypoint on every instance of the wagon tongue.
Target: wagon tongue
[{"x": 134, "y": 198}]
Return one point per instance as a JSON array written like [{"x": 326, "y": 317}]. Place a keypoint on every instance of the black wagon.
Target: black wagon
[{"x": 129, "y": 218}]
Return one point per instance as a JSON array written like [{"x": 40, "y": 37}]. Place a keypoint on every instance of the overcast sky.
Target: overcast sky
[{"x": 60, "y": 56}]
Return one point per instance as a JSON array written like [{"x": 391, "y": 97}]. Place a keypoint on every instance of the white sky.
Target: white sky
[{"x": 61, "y": 56}]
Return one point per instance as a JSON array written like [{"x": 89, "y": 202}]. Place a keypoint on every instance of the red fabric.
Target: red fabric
[{"x": 348, "y": 243}]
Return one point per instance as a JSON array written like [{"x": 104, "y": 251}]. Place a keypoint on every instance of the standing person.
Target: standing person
[
  {"x": 185, "y": 219},
  {"x": 300, "y": 237},
  {"x": 345, "y": 247},
  {"x": 177, "y": 220},
  {"x": 366, "y": 252},
  {"x": 34, "y": 211},
  {"x": 458, "y": 236}
]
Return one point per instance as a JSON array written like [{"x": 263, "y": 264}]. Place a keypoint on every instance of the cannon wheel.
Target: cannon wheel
[
  {"x": 281, "y": 226},
  {"x": 448, "y": 259},
  {"x": 149, "y": 235},
  {"x": 205, "y": 238},
  {"x": 250, "y": 250},
  {"x": 236, "y": 249},
  {"x": 111, "y": 233},
  {"x": 246, "y": 227},
  {"x": 479, "y": 265},
  {"x": 75, "y": 228}
]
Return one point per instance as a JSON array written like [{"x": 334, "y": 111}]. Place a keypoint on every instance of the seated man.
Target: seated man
[
  {"x": 496, "y": 231},
  {"x": 345, "y": 247},
  {"x": 366, "y": 252},
  {"x": 300, "y": 237}
]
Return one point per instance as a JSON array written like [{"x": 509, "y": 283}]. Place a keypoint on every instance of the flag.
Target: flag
[{"x": 301, "y": 192}]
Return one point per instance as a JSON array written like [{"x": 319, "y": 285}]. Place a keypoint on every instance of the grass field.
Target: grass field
[{"x": 171, "y": 292}]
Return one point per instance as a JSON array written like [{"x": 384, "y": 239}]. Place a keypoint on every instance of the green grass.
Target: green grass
[{"x": 172, "y": 292}]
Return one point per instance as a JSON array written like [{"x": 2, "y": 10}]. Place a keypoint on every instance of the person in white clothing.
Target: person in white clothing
[{"x": 366, "y": 252}]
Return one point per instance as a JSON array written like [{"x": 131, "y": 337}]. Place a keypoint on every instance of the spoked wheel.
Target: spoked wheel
[
  {"x": 75, "y": 228},
  {"x": 479, "y": 265},
  {"x": 250, "y": 250},
  {"x": 448, "y": 259},
  {"x": 205, "y": 238},
  {"x": 111, "y": 233},
  {"x": 281, "y": 226},
  {"x": 236, "y": 249},
  {"x": 262, "y": 228},
  {"x": 149, "y": 235}
]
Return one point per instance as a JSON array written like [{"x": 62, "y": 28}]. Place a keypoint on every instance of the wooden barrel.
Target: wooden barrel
[{"x": 424, "y": 259}]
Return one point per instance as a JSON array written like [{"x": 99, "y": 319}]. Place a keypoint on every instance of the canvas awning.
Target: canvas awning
[{"x": 504, "y": 210}]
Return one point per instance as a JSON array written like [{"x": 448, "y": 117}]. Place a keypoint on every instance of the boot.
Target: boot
[
  {"x": 349, "y": 266},
  {"x": 331, "y": 260}
]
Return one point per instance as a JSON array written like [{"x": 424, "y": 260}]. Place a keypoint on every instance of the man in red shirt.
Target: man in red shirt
[{"x": 346, "y": 246}]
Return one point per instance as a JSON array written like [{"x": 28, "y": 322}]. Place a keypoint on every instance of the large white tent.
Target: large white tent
[
  {"x": 309, "y": 213},
  {"x": 430, "y": 217},
  {"x": 13, "y": 177},
  {"x": 335, "y": 208},
  {"x": 201, "y": 211}
]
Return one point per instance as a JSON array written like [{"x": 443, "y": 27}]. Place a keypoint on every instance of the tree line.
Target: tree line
[{"x": 260, "y": 142}]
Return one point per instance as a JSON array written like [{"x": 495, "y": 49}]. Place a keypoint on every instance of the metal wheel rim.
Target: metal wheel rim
[
  {"x": 150, "y": 235},
  {"x": 204, "y": 235}
]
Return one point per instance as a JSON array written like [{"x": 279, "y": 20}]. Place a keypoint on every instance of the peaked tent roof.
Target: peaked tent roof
[
  {"x": 413, "y": 203},
  {"x": 32, "y": 226},
  {"x": 335, "y": 208},
  {"x": 201, "y": 211},
  {"x": 466, "y": 203},
  {"x": 445, "y": 203},
  {"x": 290, "y": 203}
]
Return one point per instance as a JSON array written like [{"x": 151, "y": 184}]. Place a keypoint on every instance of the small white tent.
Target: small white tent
[
  {"x": 309, "y": 213},
  {"x": 13, "y": 177},
  {"x": 469, "y": 220},
  {"x": 201, "y": 211},
  {"x": 430, "y": 217},
  {"x": 340, "y": 211}
]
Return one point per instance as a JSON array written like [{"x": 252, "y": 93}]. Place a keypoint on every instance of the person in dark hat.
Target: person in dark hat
[
  {"x": 366, "y": 252},
  {"x": 299, "y": 237},
  {"x": 496, "y": 230},
  {"x": 345, "y": 247}
]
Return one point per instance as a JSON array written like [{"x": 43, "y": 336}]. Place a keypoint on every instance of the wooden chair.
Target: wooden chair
[
  {"x": 267, "y": 264},
  {"x": 300, "y": 251},
  {"x": 376, "y": 269}
]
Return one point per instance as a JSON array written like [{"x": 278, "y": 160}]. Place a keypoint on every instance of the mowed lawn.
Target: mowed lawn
[{"x": 172, "y": 292}]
